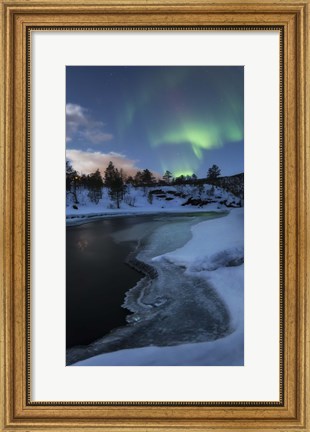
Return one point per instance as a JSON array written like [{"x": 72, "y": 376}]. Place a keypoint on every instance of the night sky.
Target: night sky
[{"x": 178, "y": 118}]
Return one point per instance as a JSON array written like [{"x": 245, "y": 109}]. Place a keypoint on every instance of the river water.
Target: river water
[{"x": 118, "y": 297}]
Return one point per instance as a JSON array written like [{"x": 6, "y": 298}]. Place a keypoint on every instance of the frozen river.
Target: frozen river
[{"x": 120, "y": 296}]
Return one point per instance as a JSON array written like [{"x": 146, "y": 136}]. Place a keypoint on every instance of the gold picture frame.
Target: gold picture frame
[{"x": 18, "y": 411}]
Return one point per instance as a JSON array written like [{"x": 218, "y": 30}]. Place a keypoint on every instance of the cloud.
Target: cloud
[
  {"x": 81, "y": 127},
  {"x": 86, "y": 161}
]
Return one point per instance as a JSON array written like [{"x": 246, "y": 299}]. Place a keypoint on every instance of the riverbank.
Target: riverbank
[
  {"x": 151, "y": 201},
  {"x": 200, "y": 280},
  {"x": 81, "y": 218}
]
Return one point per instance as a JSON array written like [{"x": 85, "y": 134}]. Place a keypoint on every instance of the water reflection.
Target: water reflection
[
  {"x": 97, "y": 276},
  {"x": 82, "y": 245}
]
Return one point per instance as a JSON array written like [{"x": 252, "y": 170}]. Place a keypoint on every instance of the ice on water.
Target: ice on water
[{"x": 197, "y": 296}]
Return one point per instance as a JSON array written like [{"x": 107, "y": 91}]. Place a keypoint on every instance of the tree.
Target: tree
[
  {"x": 84, "y": 180},
  {"x": 109, "y": 175},
  {"x": 180, "y": 179},
  {"x": 138, "y": 178},
  {"x": 200, "y": 189},
  {"x": 69, "y": 172},
  {"x": 167, "y": 176},
  {"x": 95, "y": 179},
  {"x": 95, "y": 184},
  {"x": 113, "y": 179},
  {"x": 213, "y": 172},
  {"x": 144, "y": 178},
  {"x": 72, "y": 180},
  {"x": 147, "y": 177},
  {"x": 150, "y": 197}
]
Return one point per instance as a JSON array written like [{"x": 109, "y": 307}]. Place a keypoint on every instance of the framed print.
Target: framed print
[
  {"x": 155, "y": 169},
  {"x": 164, "y": 203}
]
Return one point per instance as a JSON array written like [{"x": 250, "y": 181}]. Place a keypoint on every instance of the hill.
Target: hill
[{"x": 203, "y": 195}]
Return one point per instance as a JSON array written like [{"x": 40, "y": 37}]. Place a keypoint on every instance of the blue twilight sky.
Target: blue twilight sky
[{"x": 178, "y": 118}]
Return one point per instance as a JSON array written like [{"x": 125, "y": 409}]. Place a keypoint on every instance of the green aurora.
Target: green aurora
[{"x": 174, "y": 118}]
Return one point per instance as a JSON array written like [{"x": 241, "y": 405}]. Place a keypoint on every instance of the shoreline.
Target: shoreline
[
  {"x": 140, "y": 300},
  {"x": 195, "y": 261},
  {"x": 75, "y": 220}
]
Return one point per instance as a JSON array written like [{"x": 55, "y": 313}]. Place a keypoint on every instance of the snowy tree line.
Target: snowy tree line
[{"x": 117, "y": 182}]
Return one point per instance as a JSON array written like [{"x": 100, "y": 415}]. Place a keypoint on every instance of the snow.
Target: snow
[
  {"x": 212, "y": 257},
  {"x": 214, "y": 251},
  {"x": 222, "y": 352},
  {"x": 136, "y": 202}
]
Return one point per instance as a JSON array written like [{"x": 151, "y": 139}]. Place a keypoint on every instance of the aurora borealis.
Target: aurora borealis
[{"x": 177, "y": 118}]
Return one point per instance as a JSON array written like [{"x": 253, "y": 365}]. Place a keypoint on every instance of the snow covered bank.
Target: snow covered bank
[
  {"x": 211, "y": 261},
  {"x": 221, "y": 352},
  {"x": 76, "y": 219},
  {"x": 216, "y": 252},
  {"x": 151, "y": 200}
]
